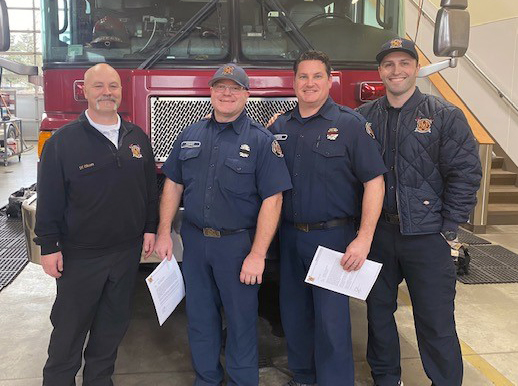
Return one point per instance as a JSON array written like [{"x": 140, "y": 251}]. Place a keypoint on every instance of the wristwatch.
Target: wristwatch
[{"x": 450, "y": 235}]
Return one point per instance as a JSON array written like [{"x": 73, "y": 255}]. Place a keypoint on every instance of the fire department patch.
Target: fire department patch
[
  {"x": 244, "y": 150},
  {"x": 228, "y": 70},
  {"x": 332, "y": 133},
  {"x": 135, "y": 151},
  {"x": 396, "y": 43},
  {"x": 424, "y": 125},
  {"x": 368, "y": 129},
  {"x": 276, "y": 149}
]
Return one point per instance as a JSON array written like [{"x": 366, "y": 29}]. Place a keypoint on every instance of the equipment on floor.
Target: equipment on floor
[
  {"x": 14, "y": 206},
  {"x": 462, "y": 260}
]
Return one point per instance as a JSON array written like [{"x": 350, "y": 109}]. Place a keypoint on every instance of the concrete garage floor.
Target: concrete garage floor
[{"x": 159, "y": 356}]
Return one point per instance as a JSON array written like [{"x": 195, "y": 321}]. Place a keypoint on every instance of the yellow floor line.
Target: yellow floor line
[{"x": 468, "y": 354}]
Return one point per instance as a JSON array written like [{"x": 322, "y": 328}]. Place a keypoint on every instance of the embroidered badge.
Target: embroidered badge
[
  {"x": 281, "y": 137},
  {"x": 244, "y": 150},
  {"x": 396, "y": 43},
  {"x": 190, "y": 144},
  {"x": 276, "y": 149},
  {"x": 424, "y": 125},
  {"x": 86, "y": 166},
  {"x": 135, "y": 151},
  {"x": 332, "y": 133},
  {"x": 228, "y": 70},
  {"x": 368, "y": 129}
]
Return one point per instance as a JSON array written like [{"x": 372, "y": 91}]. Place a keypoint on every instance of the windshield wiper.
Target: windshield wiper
[
  {"x": 193, "y": 21},
  {"x": 299, "y": 37}
]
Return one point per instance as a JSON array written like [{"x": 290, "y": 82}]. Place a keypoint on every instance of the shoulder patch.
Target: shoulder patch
[
  {"x": 276, "y": 149},
  {"x": 368, "y": 129}
]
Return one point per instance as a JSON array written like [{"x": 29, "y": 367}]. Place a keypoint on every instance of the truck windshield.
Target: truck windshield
[{"x": 201, "y": 31}]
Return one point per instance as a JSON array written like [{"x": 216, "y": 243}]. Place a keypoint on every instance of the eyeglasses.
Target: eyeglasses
[{"x": 221, "y": 88}]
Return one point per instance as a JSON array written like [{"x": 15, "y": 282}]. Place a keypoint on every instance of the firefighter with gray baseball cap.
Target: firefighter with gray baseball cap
[{"x": 231, "y": 173}]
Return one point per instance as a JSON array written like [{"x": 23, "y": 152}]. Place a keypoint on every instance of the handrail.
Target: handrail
[{"x": 499, "y": 92}]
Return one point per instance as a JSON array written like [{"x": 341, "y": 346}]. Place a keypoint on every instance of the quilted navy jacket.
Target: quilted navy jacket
[{"x": 437, "y": 163}]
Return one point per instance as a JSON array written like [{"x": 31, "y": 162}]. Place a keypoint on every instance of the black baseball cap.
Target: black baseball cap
[
  {"x": 233, "y": 72},
  {"x": 397, "y": 44}
]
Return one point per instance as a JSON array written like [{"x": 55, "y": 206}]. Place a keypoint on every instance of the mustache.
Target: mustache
[{"x": 104, "y": 98}]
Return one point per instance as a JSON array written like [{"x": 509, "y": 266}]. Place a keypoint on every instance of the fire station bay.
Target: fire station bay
[{"x": 258, "y": 192}]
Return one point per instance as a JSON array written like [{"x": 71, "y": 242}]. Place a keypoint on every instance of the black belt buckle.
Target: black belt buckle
[
  {"x": 210, "y": 232},
  {"x": 302, "y": 227}
]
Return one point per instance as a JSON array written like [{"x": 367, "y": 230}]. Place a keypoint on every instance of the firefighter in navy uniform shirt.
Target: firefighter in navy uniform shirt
[
  {"x": 232, "y": 173},
  {"x": 336, "y": 170}
]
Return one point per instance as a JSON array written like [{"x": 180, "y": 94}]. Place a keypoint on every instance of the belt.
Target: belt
[
  {"x": 306, "y": 227},
  {"x": 390, "y": 218},
  {"x": 211, "y": 232}
]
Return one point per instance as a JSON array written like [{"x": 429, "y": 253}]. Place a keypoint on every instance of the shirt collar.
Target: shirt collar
[
  {"x": 324, "y": 111},
  {"x": 236, "y": 124},
  {"x": 101, "y": 127}
]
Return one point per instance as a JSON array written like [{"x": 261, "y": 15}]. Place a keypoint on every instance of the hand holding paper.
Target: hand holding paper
[
  {"x": 327, "y": 272},
  {"x": 166, "y": 287}
]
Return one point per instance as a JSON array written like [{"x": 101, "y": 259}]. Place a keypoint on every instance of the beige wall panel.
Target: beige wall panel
[
  {"x": 492, "y": 112},
  {"x": 493, "y": 48},
  {"x": 488, "y": 11}
]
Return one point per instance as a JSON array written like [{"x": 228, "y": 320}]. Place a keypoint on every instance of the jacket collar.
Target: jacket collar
[
  {"x": 124, "y": 129},
  {"x": 410, "y": 104}
]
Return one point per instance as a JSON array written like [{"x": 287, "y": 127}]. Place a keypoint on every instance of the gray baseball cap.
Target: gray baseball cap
[{"x": 233, "y": 72}]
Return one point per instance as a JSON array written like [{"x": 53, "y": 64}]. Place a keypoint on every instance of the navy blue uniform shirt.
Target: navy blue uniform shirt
[
  {"x": 227, "y": 170},
  {"x": 329, "y": 155}
]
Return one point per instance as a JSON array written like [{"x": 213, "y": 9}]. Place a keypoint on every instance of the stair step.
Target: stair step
[
  {"x": 503, "y": 194},
  {"x": 502, "y": 214},
  {"x": 502, "y": 177},
  {"x": 497, "y": 162}
]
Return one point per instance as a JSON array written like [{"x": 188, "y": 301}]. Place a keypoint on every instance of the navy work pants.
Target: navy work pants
[
  {"x": 316, "y": 321},
  {"x": 94, "y": 295},
  {"x": 211, "y": 268},
  {"x": 426, "y": 264}
]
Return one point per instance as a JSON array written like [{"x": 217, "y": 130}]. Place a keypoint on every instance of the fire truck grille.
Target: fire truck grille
[{"x": 169, "y": 116}]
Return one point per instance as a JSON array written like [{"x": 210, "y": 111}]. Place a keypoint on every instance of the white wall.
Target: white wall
[{"x": 494, "y": 48}]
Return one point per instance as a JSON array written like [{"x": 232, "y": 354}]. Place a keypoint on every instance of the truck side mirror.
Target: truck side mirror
[
  {"x": 451, "y": 37},
  {"x": 5, "y": 37}
]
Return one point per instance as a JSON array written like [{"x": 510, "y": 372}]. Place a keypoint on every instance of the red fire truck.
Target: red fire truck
[{"x": 167, "y": 50}]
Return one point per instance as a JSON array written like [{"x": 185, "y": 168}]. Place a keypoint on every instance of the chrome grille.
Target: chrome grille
[{"x": 169, "y": 116}]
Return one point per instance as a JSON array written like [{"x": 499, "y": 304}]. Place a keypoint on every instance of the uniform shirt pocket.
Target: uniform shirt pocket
[
  {"x": 189, "y": 153},
  {"x": 190, "y": 168},
  {"x": 329, "y": 149},
  {"x": 238, "y": 176}
]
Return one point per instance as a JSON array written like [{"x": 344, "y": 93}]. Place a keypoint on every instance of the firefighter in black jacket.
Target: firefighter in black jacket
[
  {"x": 434, "y": 174},
  {"x": 97, "y": 210}
]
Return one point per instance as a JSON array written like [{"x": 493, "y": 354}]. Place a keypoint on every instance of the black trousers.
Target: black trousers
[
  {"x": 94, "y": 295},
  {"x": 426, "y": 264}
]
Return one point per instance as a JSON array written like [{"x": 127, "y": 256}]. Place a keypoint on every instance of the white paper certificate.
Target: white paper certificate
[
  {"x": 166, "y": 287},
  {"x": 326, "y": 272}
]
